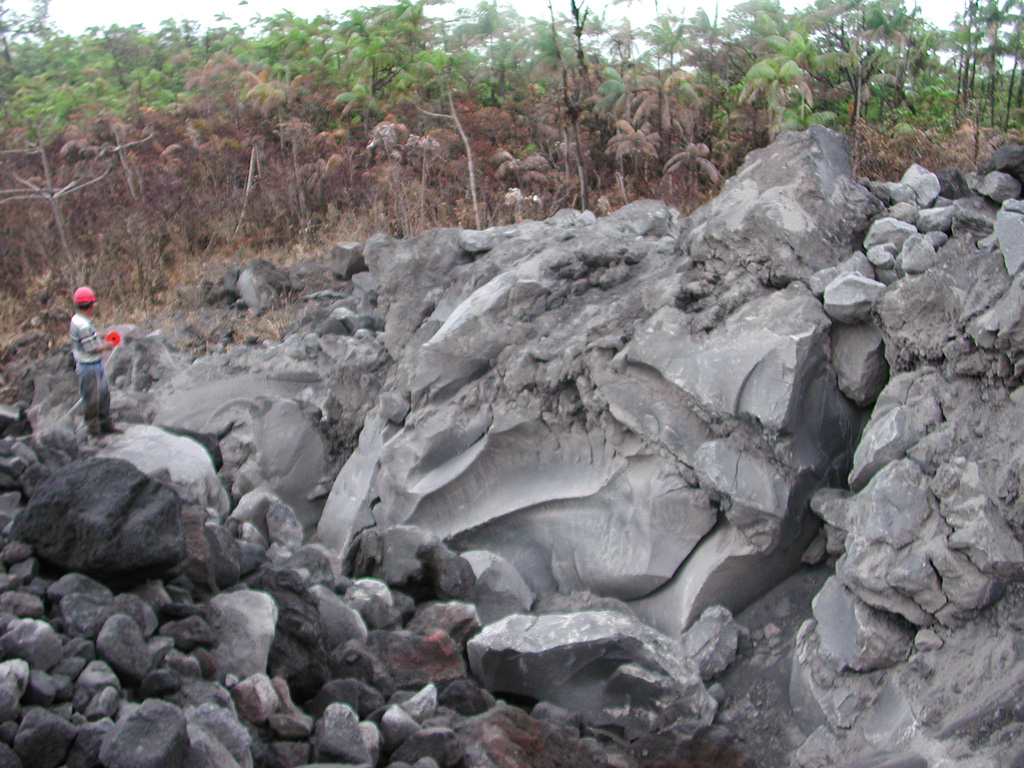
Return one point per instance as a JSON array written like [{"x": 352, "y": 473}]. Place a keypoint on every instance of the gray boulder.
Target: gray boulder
[
  {"x": 258, "y": 283},
  {"x": 820, "y": 695},
  {"x": 252, "y": 509},
  {"x": 121, "y": 645},
  {"x": 893, "y": 192},
  {"x": 934, "y": 219},
  {"x": 499, "y": 589},
  {"x": 292, "y": 455},
  {"x": 904, "y": 556},
  {"x": 33, "y": 640},
  {"x": 850, "y": 297},
  {"x": 396, "y": 726},
  {"x": 917, "y": 255},
  {"x": 337, "y": 737},
  {"x": 888, "y": 231},
  {"x": 857, "y": 636},
  {"x": 921, "y": 314},
  {"x": 346, "y": 259},
  {"x": 998, "y": 186},
  {"x": 609, "y": 668},
  {"x": 882, "y": 256},
  {"x": 480, "y": 241},
  {"x": 395, "y": 555},
  {"x": 1003, "y": 321},
  {"x": 926, "y": 185},
  {"x": 765, "y": 364},
  {"x": 974, "y": 216},
  {"x": 43, "y": 739},
  {"x": 1008, "y": 158},
  {"x": 85, "y": 750},
  {"x": 719, "y": 573},
  {"x": 94, "y": 678},
  {"x": 105, "y": 518},
  {"x": 712, "y": 641},
  {"x": 243, "y": 622},
  {"x": 345, "y": 322},
  {"x": 626, "y": 356},
  {"x": 298, "y": 654},
  {"x": 904, "y": 211},
  {"x": 807, "y": 212},
  {"x": 205, "y": 749},
  {"x": 442, "y": 745},
  {"x": 339, "y": 620},
  {"x": 757, "y": 498},
  {"x": 890, "y": 433},
  {"x": 373, "y": 600},
  {"x": 283, "y": 526},
  {"x": 154, "y": 736},
  {"x": 858, "y": 356},
  {"x": 1009, "y": 231},
  {"x": 404, "y": 305},
  {"x": 180, "y": 461},
  {"x": 979, "y": 529},
  {"x": 953, "y": 183}
]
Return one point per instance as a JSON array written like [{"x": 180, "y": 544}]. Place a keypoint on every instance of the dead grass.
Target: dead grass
[
  {"x": 882, "y": 156},
  {"x": 44, "y": 312}
]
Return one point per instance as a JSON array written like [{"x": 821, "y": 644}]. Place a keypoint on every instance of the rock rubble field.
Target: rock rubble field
[{"x": 741, "y": 488}]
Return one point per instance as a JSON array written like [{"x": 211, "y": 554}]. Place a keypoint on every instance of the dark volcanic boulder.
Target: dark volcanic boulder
[
  {"x": 298, "y": 653},
  {"x": 105, "y": 518},
  {"x": 153, "y": 737},
  {"x": 43, "y": 739},
  {"x": 1008, "y": 158}
]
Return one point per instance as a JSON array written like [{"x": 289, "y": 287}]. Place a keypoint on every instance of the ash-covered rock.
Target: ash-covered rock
[{"x": 549, "y": 462}]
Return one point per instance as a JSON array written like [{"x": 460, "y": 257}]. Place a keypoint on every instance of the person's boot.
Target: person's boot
[
  {"x": 110, "y": 428},
  {"x": 94, "y": 428}
]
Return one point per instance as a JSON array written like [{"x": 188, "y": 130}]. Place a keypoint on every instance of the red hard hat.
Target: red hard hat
[{"x": 84, "y": 295}]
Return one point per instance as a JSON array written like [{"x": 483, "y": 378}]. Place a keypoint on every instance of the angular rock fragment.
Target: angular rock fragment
[
  {"x": 244, "y": 623},
  {"x": 609, "y": 668},
  {"x": 856, "y": 635},
  {"x": 858, "y": 356},
  {"x": 926, "y": 185},
  {"x": 850, "y": 297}
]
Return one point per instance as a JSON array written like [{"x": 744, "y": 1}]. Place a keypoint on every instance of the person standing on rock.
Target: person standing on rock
[{"x": 87, "y": 348}]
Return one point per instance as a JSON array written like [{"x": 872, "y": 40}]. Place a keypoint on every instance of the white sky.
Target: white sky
[{"x": 75, "y": 16}]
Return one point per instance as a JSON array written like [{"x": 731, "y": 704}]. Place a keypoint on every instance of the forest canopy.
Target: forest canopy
[{"x": 127, "y": 153}]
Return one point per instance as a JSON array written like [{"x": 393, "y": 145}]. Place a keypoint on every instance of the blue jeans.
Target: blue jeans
[{"x": 92, "y": 385}]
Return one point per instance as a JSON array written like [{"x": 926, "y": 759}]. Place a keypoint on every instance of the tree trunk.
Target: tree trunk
[
  {"x": 469, "y": 162},
  {"x": 58, "y": 219},
  {"x": 1009, "y": 94}
]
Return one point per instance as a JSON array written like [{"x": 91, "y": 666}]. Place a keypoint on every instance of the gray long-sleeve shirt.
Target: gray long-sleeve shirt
[{"x": 84, "y": 340}]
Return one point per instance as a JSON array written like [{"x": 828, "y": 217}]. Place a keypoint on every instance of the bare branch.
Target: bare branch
[
  {"x": 27, "y": 151},
  {"x": 15, "y": 198},
  {"x": 75, "y": 186},
  {"x": 27, "y": 183},
  {"x": 435, "y": 114}
]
